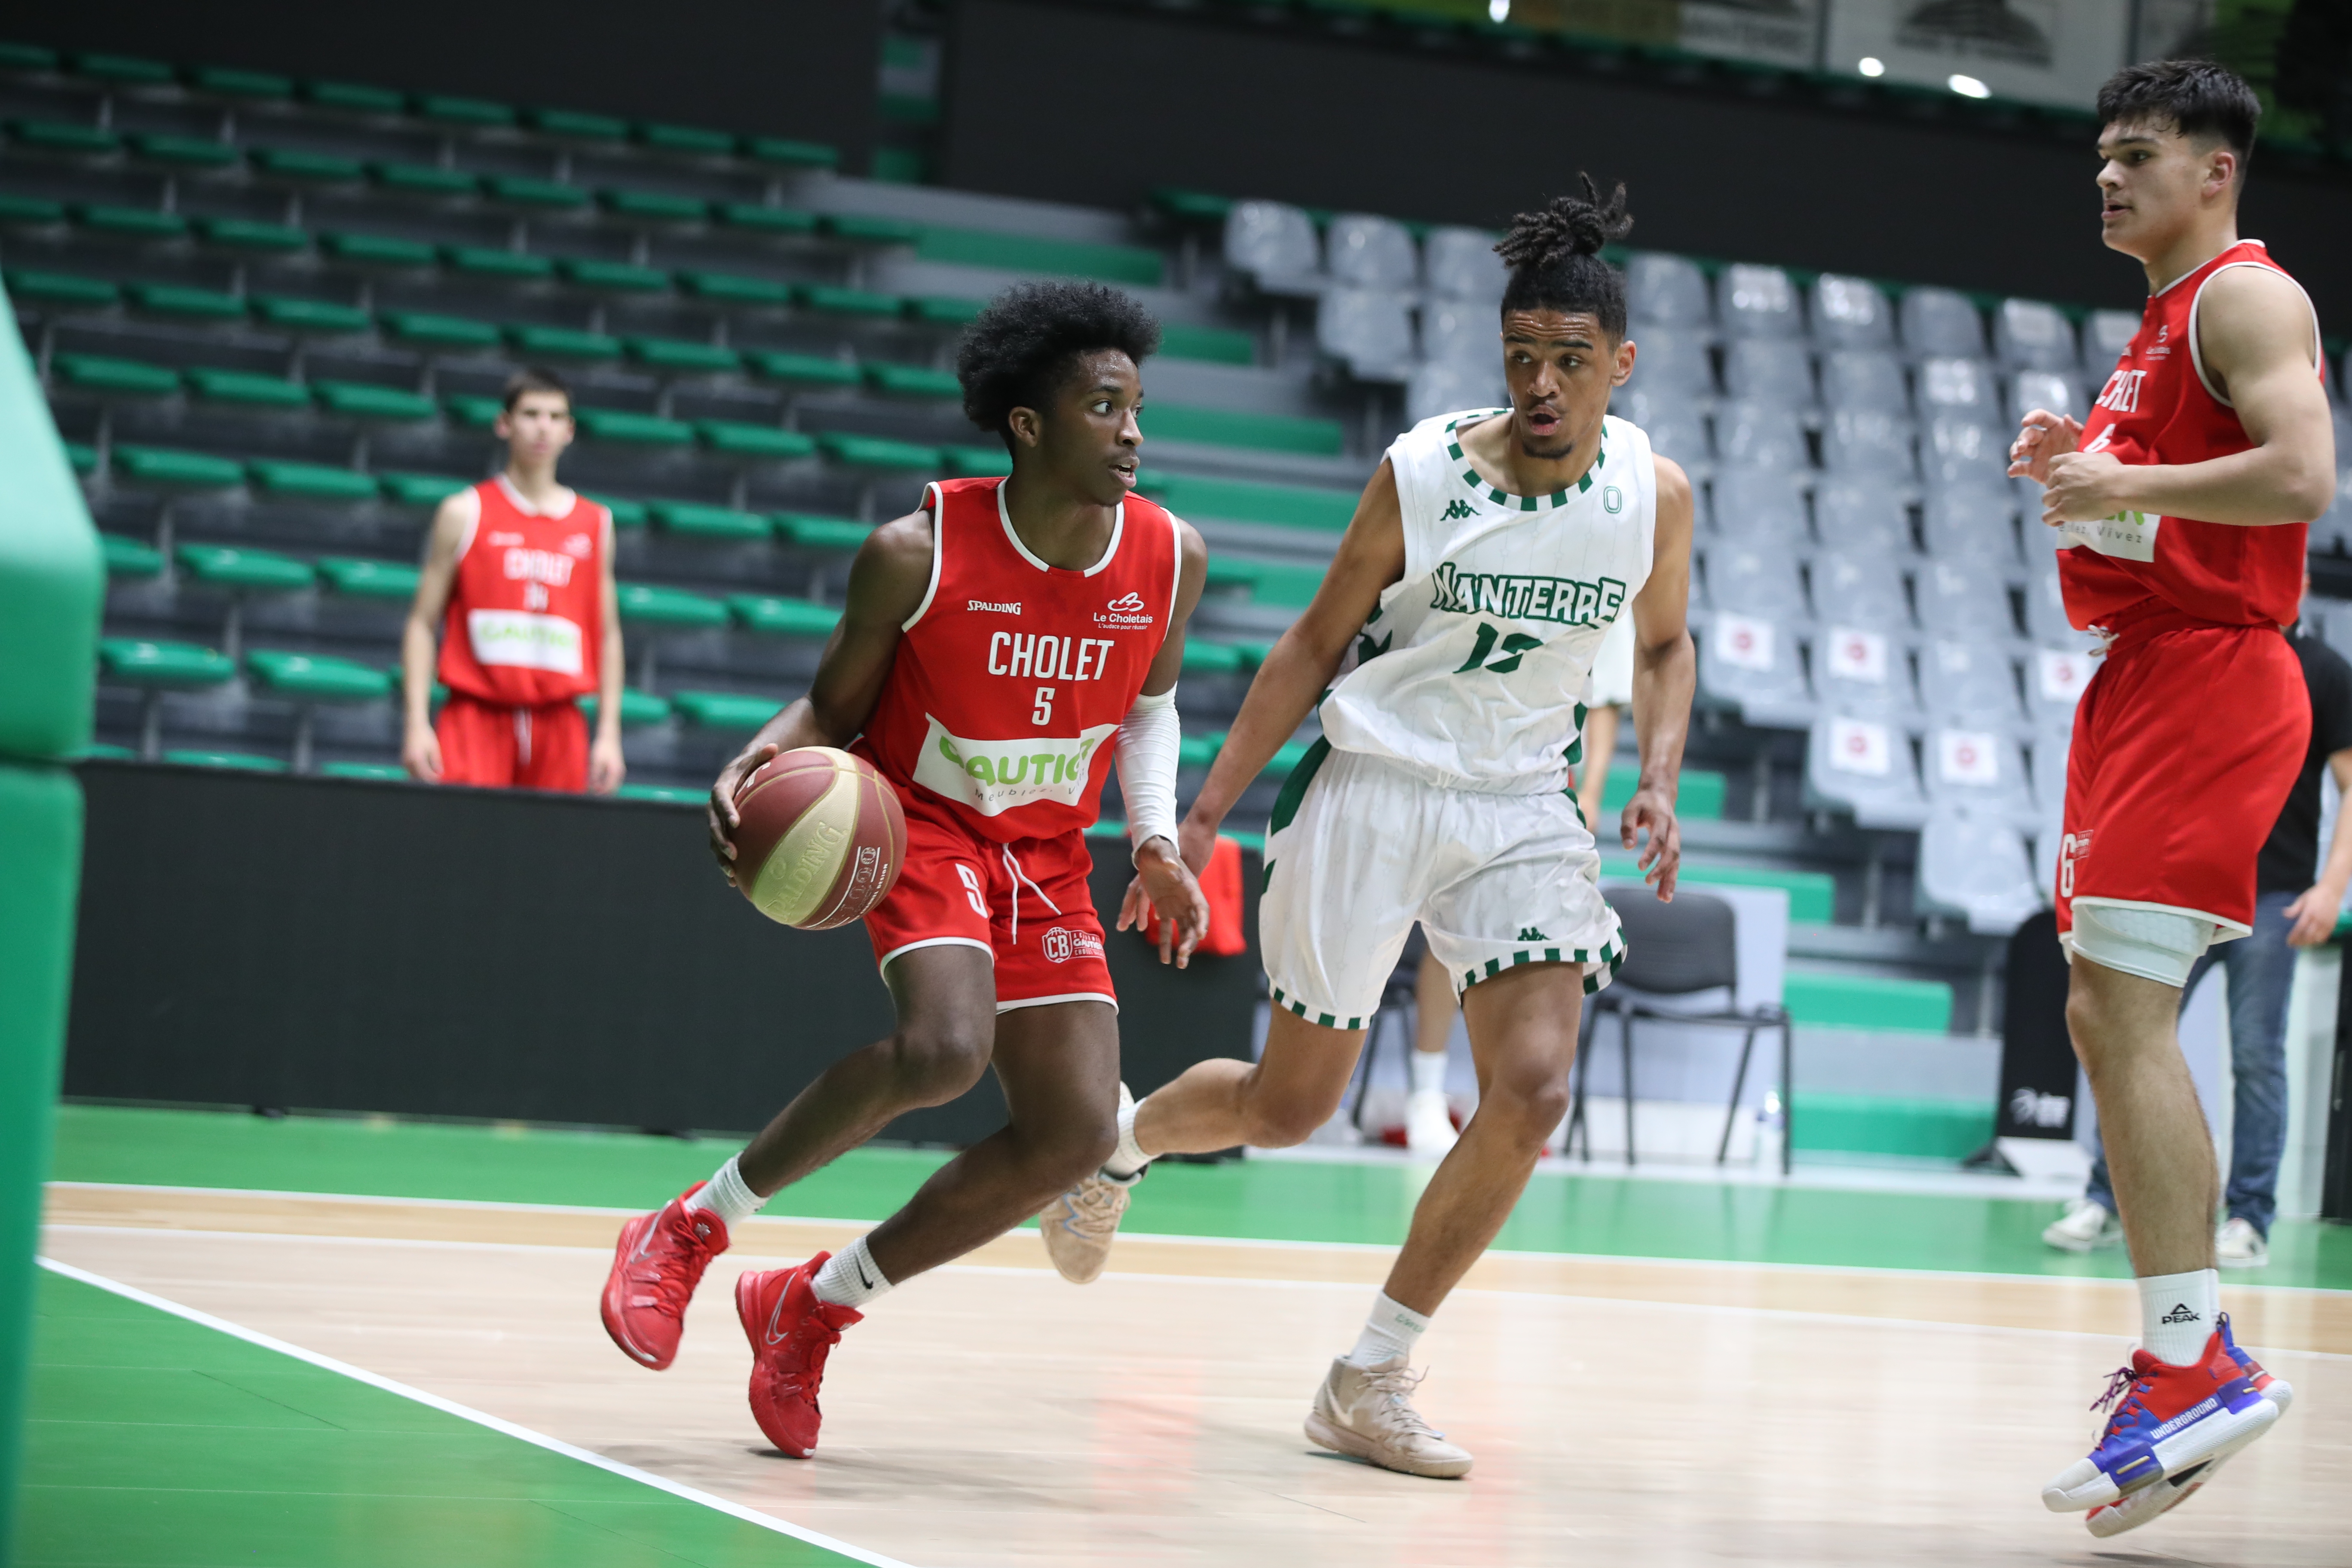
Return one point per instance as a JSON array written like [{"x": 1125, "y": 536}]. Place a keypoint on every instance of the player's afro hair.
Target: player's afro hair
[
  {"x": 1029, "y": 339},
  {"x": 1554, "y": 255}
]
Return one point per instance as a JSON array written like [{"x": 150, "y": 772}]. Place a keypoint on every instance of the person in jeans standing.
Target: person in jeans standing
[{"x": 2292, "y": 910}]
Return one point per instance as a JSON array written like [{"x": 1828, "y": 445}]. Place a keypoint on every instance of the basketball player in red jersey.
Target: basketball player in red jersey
[
  {"x": 2179, "y": 507},
  {"x": 518, "y": 579},
  {"x": 1000, "y": 647}
]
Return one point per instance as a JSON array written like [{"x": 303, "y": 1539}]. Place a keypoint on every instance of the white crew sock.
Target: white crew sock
[
  {"x": 726, "y": 1196},
  {"x": 2178, "y": 1312},
  {"x": 849, "y": 1278},
  {"x": 1429, "y": 1072},
  {"x": 1392, "y": 1331},
  {"x": 1128, "y": 1158}
]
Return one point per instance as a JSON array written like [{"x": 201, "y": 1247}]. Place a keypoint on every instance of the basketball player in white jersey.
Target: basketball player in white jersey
[{"x": 1447, "y": 651}]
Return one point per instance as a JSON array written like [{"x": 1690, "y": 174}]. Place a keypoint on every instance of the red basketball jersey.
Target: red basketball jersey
[
  {"x": 526, "y": 624},
  {"x": 2161, "y": 406},
  {"x": 1014, "y": 675}
]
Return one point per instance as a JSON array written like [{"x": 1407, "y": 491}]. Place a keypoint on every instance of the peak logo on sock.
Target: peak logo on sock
[{"x": 2179, "y": 1314}]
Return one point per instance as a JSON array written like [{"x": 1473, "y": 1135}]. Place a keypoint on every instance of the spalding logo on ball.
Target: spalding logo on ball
[{"x": 820, "y": 837}]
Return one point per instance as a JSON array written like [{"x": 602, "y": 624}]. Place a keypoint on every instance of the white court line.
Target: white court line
[
  {"x": 466, "y": 1413},
  {"x": 1126, "y": 1238}
]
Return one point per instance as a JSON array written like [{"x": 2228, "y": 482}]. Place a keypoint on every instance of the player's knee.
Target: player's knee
[
  {"x": 1070, "y": 1154},
  {"x": 938, "y": 1061},
  {"x": 1531, "y": 1105},
  {"x": 1283, "y": 1124}
]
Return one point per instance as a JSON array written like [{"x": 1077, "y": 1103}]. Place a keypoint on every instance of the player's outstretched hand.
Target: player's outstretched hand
[
  {"x": 722, "y": 808},
  {"x": 2314, "y": 915},
  {"x": 2041, "y": 437},
  {"x": 1167, "y": 897},
  {"x": 1662, "y": 857}
]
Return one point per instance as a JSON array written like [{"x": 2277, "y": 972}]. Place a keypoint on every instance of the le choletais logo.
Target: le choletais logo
[{"x": 1126, "y": 610}]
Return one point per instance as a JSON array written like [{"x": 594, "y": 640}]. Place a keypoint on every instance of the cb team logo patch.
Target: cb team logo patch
[{"x": 1062, "y": 945}]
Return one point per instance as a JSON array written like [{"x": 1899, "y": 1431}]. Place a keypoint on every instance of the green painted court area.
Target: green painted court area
[
  {"x": 159, "y": 1442},
  {"x": 1275, "y": 1200}
]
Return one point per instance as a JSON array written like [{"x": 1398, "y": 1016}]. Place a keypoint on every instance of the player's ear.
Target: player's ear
[
  {"x": 1624, "y": 363},
  {"x": 1028, "y": 428}
]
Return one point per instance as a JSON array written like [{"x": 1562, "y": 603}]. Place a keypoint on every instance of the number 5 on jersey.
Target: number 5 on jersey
[{"x": 1041, "y": 711}]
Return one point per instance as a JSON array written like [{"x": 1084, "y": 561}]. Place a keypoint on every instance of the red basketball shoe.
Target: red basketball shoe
[
  {"x": 655, "y": 1267},
  {"x": 791, "y": 1333},
  {"x": 2159, "y": 1498},
  {"x": 2164, "y": 1420}
]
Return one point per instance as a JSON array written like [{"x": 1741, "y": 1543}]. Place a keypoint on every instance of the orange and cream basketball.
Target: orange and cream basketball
[{"x": 819, "y": 839}]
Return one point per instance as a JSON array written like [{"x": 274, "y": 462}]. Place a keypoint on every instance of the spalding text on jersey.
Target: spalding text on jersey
[{"x": 1514, "y": 597}]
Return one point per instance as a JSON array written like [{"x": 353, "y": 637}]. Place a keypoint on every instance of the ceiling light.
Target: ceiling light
[
  {"x": 1872, "y": 65},
  {"x": 1499, "y": 10},
  {"x": 1968, "y": 87}
]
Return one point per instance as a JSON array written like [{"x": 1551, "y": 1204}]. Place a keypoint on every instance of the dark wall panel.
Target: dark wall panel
[
  {"x": 1100, "y": 105},
  {"x": 784, "y": 68},
  {"x": 331, "y": 945}
]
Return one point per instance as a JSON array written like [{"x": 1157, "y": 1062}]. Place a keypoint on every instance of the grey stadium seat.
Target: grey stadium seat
[
  {"x": 1750, "y": 664},
  {"x": 1864, "y": 765},
  {"x": 1757, "y": 580},
  {"x": 1438, "y": 387},
  {"x": 1770, "y": 368},
  {"x": 1972, "y": 523},
  {"x": 1671, "y": 359},
  {"x": 1272, "y": 242},
  {"x": 2051, "y": 745},
  {"x": 1865, "y": 670},
  {"x": 2046, "y": 610},
  {"x": 1365, "y": 251},
  {"x": 1860, "y": 588},
  {"x": 1956, "y": 450},
  {"x": 1867, "y": 441},
  {"x": 1673, "y": 424},
  {"x": 1860, "y": 517},
  {"x": 1668, "y": 289},
  {"x": 1981, "y": 770},
  {"x": 1759, "y": 435},
  {"x": 1462, "y": 332},
  {"x": 1864, "y": 378},
  {"x": 1761, "y": 302},
  {"x": 1954, "y": 388},
  {"x": 1969, "y": 680},
  {"x": 1461, "y": 264},
  {"x": 1965, "y": 599},
  {"x": 2029, "y": 335},
  {"x": 2105, "y": 335},
  {"x": 1850, "y": 313},
  {"x": 1759, "y": 504},
  {"x": 1943, "y": 323},
  {"x": 1369, "y": 331},
  {"x": 1977, "y": 869},
  {"x": 2055, "y": 679},
  {"x": 2056, "y": 390}
]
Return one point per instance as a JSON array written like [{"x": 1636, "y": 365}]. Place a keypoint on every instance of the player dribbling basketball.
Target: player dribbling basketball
[{"x": 999, "y": 648}]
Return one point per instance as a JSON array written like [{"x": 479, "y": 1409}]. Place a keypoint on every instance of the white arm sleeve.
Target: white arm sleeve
[{"x": 1149, "y": 737}]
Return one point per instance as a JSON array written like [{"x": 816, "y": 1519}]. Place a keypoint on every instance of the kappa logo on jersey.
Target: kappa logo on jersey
[
  {"x": 2122, "y": 390},
  {"x": 1126, "y": 610},
  {"x": 1062, "y": 945},
  {"x": 1563, "y": 600},
  {"x": 1455, "y": 510}
]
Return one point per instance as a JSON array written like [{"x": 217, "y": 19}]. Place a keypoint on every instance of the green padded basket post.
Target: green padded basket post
[
  {"x": 309, "y": 679},
  {"x": 52, "y": 585}
]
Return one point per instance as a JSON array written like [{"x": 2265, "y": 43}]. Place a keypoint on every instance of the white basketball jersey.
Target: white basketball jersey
[{"x": 1472, "y": 671}]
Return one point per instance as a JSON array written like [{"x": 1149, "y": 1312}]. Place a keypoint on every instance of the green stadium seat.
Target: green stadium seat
[
  {"x": 1699, "y": 797},
  {"x": 82, "y": 456},
  {"x": 1192, "y": 206},
  {"x": 1212, "y": 659},
  {"x": 727, "y": 710},
  {"x": 1248, "y": 500},
  {"x": 245, "y": 233},
  {"x": 423, "y": 180},
  {"x": 424, "y": 329},
  {"x": 378, "y": 250},
  {"x": 1866, "y": 1001},
  {"x": 126, "y": 557},
  {"x": 357, "y": 578},
  {"x": 236, "y": 762},
  {"x": 489, "y": 261},
  {"x": 978, "y": 462},
  {"x": 575, "y": 126},
  {"x": 638, "y": 429},
  {"x": 309, "y": 679},
  {"x": 474, "y": 412},
  {"x": 1218, "y": 345},
  {"x": 258, "y": 87},
  {"x": 1280, "y": 764},
  {"x": 310, "y": 481},
  {"x": 691, "y": 140},
  {"x": 27, "y": 58},
  {"x": 156, "y": 667},
  {"x": 667, "y": 795},
  {"x": 732, "y": 289},
  {"x": 1198, "y": 750},
  {"x": 564, "y": 342},
  {"x": 761, "y": 219},
  {"x": 655, "y": 206},
  {"x": 115, "y": 377},
  {"x": 863, "y": 229},
  {"x": 164, "y": 468},
  {"x": 774, "y": 617},
  {"x": 355, "y": 98},
  {"x": 626, "y": 513},
  {"x": 638, "y": 708},
  {"x": 28, "y": 212},
  {"x": 246, "y": 388},
  {"x": 691, "y": 520},
  {"x": 175, "y": 302},
  {"x": 358, "y": 400},
  {"x": 944, "y": 310},
  {"x": 98, "y": 751},
  {"x": 308, "y": 168},
  {"x": 384, "y": 773},
  {"x": 129, "y": 223},
  {"x": 875, "y": 452},
  {"x": 61, "y": 289},
  {"x": 680, "y": 357},
  {"x": 530, "y": 191},
  {"x": 64, "y": 138},
  {"x": 245, "y": 570},
  {"x": 615, "y": 276},
  {"x": 131, "y": 70},
  {"x": 911, "y": 381},
  {"x": 184, "y": 151},
  {"x": 1231, "y": 428},
  {"x": 649, "y": 604},
  {"x": 310, "y": 318},
  {"x": 419, "y": 489},
  {"x": 822, "y": 532},
  {"x": 735, "y": 438},
  {"x": 1130, "y": 264},
  {"x": 790, "y": 155},
  {"x": 836, "y": 302},
  {"x": 802, "y": 370},
  {"x": 451, "y": 110}
]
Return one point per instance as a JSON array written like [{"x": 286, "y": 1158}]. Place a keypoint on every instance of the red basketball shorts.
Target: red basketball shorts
[
  {"x": 499, "y": 747},
  {"x": 1026, "y": 904},
  {"x": 2186, "y": 743}
]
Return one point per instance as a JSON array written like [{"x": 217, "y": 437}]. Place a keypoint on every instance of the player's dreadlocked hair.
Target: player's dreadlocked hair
[
  {"x": 1554, "y": 255},
  {"x": 1031, "y": 336}
]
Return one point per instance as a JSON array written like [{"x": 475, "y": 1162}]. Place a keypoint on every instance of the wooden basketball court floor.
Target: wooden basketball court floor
[{"x": 1623, "y": 1411}]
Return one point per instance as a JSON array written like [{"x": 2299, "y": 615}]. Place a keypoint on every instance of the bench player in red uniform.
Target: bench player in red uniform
[
  {"x": 2181, "y": 506},
  {"x": 518, "y": 579},
  {"x": 1000, "y": 647}
]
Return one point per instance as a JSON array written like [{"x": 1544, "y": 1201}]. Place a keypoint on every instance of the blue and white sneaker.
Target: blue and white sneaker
[
  {"x": 2134, "y": 1509},
  {"x": 2167, "y": 1421}
]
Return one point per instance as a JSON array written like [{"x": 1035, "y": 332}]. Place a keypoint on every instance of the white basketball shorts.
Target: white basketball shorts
[{"x": 1359, "y": 850}]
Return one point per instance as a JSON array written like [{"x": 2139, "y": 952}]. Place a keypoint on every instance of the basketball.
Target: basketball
[{"x": 820, "y": 839}]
